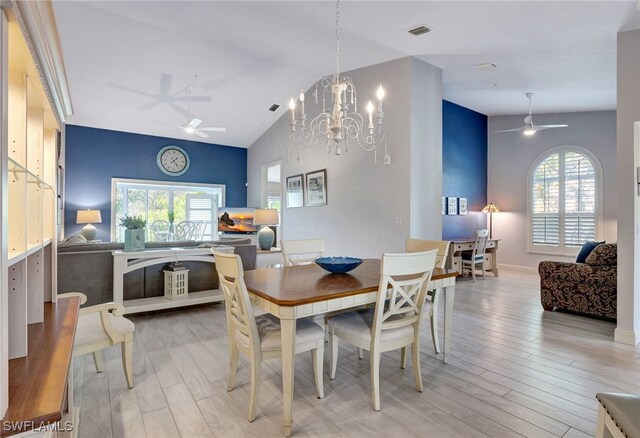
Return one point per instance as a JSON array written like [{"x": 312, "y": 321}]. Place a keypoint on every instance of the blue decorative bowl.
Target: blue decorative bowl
[{"x": 338, "y": 265}]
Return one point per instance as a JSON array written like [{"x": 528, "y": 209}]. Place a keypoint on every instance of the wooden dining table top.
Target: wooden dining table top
[{"x": 297, "y": 285}]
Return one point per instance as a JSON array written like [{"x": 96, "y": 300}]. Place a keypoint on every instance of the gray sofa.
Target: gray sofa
[{"x": 88, "y": 268}]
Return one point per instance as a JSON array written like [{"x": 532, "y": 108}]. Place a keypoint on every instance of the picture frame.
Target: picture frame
[
  {"x": 316, "y": 188},
  {"x": 462, "y": 206},
  {"x": 452, "y": 206},
  {"x": 295, "y": 191},
  {"x": 444, "y": 205}
]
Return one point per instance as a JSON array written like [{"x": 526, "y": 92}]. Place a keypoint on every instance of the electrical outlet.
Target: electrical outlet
[{"x": 387, "y": 160}]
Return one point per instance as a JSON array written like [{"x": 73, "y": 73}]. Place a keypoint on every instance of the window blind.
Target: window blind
[{"x": 564, "y": 205}]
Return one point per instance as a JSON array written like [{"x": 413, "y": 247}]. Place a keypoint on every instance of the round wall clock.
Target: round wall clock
[{"x": 173, "y": 160}]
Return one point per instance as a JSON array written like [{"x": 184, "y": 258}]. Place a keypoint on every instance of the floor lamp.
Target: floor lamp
[{"x": 490, "y": 208}]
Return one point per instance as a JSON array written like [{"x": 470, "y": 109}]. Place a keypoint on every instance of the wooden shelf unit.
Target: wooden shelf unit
[
  {"x": 38, "y": 382},
  {"x": 29, "y": 161}
]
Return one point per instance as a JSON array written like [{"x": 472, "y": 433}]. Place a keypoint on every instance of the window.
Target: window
[
  {"x": 273, "y": 187},
  {"x": 564, "y": 201},
  {"x": 154, "y": 199}
]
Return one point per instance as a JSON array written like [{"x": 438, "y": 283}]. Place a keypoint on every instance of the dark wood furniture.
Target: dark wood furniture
[{"x": 38, "y": 382}]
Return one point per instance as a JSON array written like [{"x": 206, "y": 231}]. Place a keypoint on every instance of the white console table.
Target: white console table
[{"x": 125, "y": 262}]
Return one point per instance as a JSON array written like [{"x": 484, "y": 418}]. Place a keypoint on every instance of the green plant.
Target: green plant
[
  {"x": 133, "y": 222},
  {"x": 171, "y": 215}
]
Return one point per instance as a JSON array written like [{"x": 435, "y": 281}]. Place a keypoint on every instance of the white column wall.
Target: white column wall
[{"x": 628, "y": 154}]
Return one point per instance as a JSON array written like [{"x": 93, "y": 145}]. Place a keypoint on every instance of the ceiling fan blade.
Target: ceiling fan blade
[
  {"x": 165, "y": 83},
  {"x": 200, "y": 134},
  {"x": 541, "y": 127},
  {"x": 194, "y": 123},
  {"x": 511, "y": 130},
  {"x": 213, "y": 129},
  {"x": 149, "y": 105}
]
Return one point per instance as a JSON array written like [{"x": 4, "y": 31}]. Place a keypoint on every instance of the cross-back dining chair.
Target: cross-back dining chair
[
  {"x": 301, "y": 252},
  {"x": 476, "y": 257},
  {"x": 258, "y": 337},
  {"x": 394, "y": 322},
  {"x": 442, "y": 246},
  {"x": 184, "y": 230}
]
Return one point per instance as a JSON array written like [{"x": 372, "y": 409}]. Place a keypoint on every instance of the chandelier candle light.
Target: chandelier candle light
[{"x": 339, "y": 120}]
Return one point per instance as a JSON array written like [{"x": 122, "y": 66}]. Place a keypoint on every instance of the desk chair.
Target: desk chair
[
  {"x": 394, "y": 322},
  {"x": 258, "y": 337},
  {"x": 442, "y": 246},
  {"x": 102, "y": 326},
  {"x": 476, "y": 257},
  {"x": 301, "y": 252}
]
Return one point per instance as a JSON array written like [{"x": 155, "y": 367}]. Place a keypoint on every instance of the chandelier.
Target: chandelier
[{"x": 339, "y": 123}]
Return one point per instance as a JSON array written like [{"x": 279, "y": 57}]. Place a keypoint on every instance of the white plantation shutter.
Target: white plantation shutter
[
  {"x": 564, "y": 204},
  {"x": 203, "y": 208}
]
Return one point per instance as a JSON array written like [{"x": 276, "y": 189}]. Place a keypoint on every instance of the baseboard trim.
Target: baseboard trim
[
  {"x": 518, "y": 268},
  {"x": 629, "y": 337}
]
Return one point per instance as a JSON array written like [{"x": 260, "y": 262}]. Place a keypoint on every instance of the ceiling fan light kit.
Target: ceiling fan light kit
[
  {"x": 193, "y": 123},
  {"x": 529, "y": 129},
  {"x": 339, "y": 122}
]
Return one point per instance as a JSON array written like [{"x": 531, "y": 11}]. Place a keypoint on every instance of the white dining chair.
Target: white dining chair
[
  {"x": 476, "y": 257},
  {"x": 394, "y": 322},
  {"x": 258, "y": 337},
  {"x": 301, "y": 252},
  {"x": 102, "y": 326},
  {"x": 184, "y": 230},
  {"x": 442, "y": 246},
  {"x": 159, "y": 231}
]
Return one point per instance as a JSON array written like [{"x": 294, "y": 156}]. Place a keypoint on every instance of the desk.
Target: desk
[
  {"x": 299, "y": 291},
  {"x": 124, "y": 262},
  {"x": 454, "y": 258}
]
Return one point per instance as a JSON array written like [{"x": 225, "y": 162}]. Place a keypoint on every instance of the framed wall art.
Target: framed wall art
[
  {"x": 295, "y": 191},
  {"x": 452, "y": 206},
  {"x": 462, "y": 206},
  {"x": 316, "y": 185}
]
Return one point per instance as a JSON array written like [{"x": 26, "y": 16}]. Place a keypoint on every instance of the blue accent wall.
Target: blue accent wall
[
  {"x": 464, "y": 167},
  {"x": 94, "y": 156}
]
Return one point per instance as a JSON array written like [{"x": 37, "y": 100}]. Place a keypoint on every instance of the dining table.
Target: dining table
[{"x": 294, "y": 292}]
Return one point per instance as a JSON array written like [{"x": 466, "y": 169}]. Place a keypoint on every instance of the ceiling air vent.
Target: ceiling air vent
[
  {"x": 274, "y": 107},
  {"x": 419, "y": 30}
]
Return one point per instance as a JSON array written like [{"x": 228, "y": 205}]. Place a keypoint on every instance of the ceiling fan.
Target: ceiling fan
[
  {"x": 193, "y": 123},
  {"x": 529, "y": 128}
]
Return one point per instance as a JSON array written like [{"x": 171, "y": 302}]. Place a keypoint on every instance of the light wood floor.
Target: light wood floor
[{"x": 515, "y": 371}]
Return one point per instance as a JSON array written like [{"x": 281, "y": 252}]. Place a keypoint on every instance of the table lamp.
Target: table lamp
[
  {"x": 88, "y": 217},
  {"x": 490, "y": 208},
  {"x": 265, "y": 216}
]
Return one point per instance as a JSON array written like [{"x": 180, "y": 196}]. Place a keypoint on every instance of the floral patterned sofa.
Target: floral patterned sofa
[{"x": 589, "y": 288}]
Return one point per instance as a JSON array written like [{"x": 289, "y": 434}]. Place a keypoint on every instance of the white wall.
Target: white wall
[
  {"x": 628, "y": 105},
  {"x": 368, "y": 209},
  {"x": 510, "y": 156},
  {"x": 426, "y": 151}
]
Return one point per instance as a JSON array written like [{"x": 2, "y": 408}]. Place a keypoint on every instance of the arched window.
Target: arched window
[{"x": 564, "y": 194}]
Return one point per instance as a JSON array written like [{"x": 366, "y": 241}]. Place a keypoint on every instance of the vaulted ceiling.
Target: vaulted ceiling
[{"x": 129, "y": 62}]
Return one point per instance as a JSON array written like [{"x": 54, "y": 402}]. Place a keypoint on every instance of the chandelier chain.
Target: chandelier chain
[{"x": 337, "y": 38}]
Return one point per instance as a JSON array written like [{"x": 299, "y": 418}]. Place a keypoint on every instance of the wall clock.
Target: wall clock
[{"x": 173, "y": 160}]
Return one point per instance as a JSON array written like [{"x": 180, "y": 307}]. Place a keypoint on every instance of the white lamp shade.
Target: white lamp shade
[
  {"x": 265, "y": 216},
  {"x": 88, "y": 217}
]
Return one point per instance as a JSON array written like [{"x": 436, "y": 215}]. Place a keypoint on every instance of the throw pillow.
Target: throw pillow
[
  {"x": 588, "y": 246},
  {"x": 604, "y": 255},
  {"x": 75, "y": 239}
]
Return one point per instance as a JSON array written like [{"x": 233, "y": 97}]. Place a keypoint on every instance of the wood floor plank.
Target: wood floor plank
[
  {"x": 186, "y": 413},
  {"x": 514, "y": 370}
]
